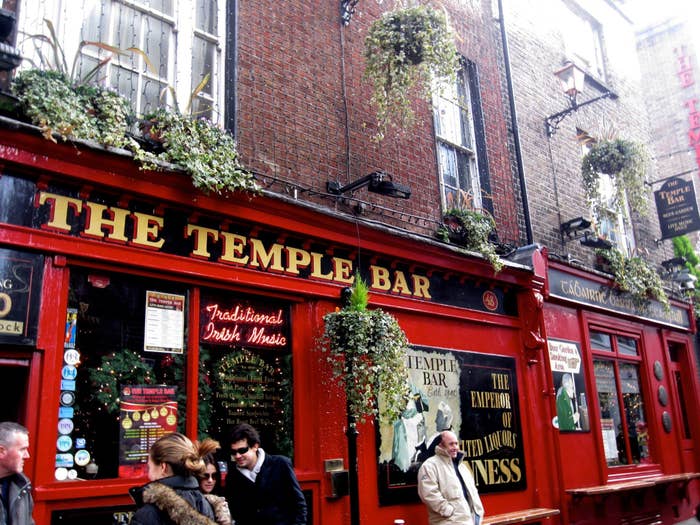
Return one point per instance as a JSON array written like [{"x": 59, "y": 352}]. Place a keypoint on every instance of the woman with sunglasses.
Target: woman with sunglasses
[
  {"x": 173, "y": 496},
  {"x": 208, "y": 485}
]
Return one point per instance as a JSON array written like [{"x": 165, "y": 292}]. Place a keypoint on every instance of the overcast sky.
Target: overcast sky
[{"x": 648, "y": 12}]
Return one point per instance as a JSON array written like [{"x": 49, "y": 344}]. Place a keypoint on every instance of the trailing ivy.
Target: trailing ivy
[
  {"x": 636, "y": 277},
  {"x": 407, "y": 51},
  {"x": 366, "y": 349}
]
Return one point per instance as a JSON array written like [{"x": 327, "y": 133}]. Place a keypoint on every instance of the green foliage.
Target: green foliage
[
  {"x": 366, "y": 349},
  {"x": 55, "y": 99},
  {"x": 207, "y": 152},
  {"x": 405, "y": 51},
  {"x": 682, "y": 247},
  {"x": 471, "y": 229},
  {"x": 626, "y": 163},
  {"x": 360, "y": 295},
  {"x": 118, "y": 368},
  {"x": 635, "y": 276}
]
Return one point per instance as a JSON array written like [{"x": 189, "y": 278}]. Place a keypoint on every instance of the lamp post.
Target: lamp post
[
  {"x": 351, "y": 433},
  {"x": 572, "y": 79}
]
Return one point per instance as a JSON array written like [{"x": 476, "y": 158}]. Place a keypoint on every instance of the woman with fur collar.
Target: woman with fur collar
[{"x": 173, "y": 496}]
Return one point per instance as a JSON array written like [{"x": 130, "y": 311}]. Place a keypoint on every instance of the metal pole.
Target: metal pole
[{"x": 353, "y": 487}]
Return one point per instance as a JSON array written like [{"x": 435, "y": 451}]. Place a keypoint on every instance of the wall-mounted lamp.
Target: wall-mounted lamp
[
  {"x": 347, "y": 9},
  {"x": 9, "y": 56},
  {"x": 574, "y": 228},
  {"x": 377, "y": 182},
  {"x": 592, "y": 240},
  {"x": 572, "y": 80},
  {"x": 678, "y": 273}
]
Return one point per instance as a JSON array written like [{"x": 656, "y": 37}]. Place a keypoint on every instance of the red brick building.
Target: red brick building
[{"x": 143, "y": 305}]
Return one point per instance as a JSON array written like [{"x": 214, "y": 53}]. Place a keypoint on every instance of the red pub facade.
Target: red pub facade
[{"x": 134, "y": 305}]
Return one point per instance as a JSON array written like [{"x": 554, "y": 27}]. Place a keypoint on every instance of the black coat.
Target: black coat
[
  {"x": 175, "y": 500},
  {"x": 274, "y": 499}
]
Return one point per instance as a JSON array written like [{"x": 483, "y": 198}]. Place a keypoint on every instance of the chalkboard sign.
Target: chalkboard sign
[{"x": 20, "y": 290}]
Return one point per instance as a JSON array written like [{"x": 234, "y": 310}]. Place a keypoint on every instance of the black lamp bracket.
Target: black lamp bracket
[
  {"x": 377, "y": 182},
  {"x": 552, "y": 122}
]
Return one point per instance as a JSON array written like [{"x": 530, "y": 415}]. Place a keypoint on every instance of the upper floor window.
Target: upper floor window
[
  {"x": 583, "y": 41},
  {"x": 610, "y": 223},
  {"x": 454, "y": 111},
  {"x": 182, "y": 40},
  {"x": 616, "y": 363}
]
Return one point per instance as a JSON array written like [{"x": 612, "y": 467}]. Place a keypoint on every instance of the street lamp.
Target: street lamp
[{"x": 572, "y": 80}]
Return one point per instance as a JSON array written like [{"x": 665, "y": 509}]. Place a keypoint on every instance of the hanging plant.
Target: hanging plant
[
  {"x": 367, "y": 350},
  {"x": 634, "y": 276},
  {"x": 407, "y": 51},
  {"x": 626, "y": 163}
]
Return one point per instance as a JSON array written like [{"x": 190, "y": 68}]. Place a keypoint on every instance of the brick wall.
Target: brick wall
[
  {"x": 552, "y": 165},
  {"x": 292, "y": 114}
]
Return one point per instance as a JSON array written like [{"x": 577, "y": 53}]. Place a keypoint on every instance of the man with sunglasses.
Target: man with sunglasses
[{"x": 261, "y": 489}]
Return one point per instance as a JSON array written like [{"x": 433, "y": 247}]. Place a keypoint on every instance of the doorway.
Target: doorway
[{"x": 14, "y": 384}]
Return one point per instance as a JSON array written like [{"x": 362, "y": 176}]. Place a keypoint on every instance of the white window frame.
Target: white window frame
[
  {"x": 64, "y": 14},
  {"x": 454, "y": 136},
  {"x": 583, "y": 43}
]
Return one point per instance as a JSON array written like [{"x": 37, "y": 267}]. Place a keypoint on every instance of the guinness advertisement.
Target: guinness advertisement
[
  {"x": 474, "y": 395},
  {"x": 677, "y": 208},
  {"x": 20, "y": 288},
  {"x": 592, "y": 293}
]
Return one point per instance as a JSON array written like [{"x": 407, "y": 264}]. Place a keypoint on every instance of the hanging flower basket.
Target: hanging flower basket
[
  {"x": 626, "y": 163},
  {"x": 405, "y": 49},
  {"x": 366, "y": 349}
]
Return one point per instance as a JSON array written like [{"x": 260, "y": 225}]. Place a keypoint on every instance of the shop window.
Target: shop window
[
  {"x": 621, "y": 402},
  {"x": 246, "y": 369},
  {"x": 455, "y": 110},
  {"x": 183, "y": 40},
  {"x": 123, "y": 375}
]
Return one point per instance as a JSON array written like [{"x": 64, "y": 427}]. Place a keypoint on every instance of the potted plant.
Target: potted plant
[
  {"x": 55, "y": 98},
  {"x": 634, "y": 276},
  {"x": 366, "y": 349},
  {"x": 407, "y": 50},
  {"x": 626, "y": 163},
  {"x": 204, "y": 150},
  {"x": 469, "y": 227}
]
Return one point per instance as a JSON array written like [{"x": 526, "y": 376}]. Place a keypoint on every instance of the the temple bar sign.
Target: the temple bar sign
[{"x": 677, "y": 208}]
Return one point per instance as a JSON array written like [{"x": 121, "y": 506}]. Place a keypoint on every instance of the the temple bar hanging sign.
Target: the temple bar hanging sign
[{"x": 677, "y": 208}]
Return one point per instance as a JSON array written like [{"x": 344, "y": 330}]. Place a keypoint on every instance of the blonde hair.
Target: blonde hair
[{"x": 184, "y": 456}]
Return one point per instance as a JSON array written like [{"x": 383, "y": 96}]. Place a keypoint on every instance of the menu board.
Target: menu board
[{"x": 146, "y": 412}]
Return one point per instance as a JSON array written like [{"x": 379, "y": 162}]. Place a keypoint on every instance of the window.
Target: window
[
  {"x": 609, "y": 223},
  {"x": 183, "y": 40},
  {"x": 455, "y": 109},
  {"x": 123, "y": 380},
  {"x": 119, "y": 390},
  {"x": 616, "y": 363},
  {"x": 583, "y": 42}
]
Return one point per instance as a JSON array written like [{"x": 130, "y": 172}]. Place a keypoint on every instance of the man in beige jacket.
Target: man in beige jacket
[{"x": 447, "y": 487}]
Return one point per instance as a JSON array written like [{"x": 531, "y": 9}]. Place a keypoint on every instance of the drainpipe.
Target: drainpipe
[{"x": 514, "y": 122}]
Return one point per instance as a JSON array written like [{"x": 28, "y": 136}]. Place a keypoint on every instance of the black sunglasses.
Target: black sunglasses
[
  {"x": 210, "y": 475},
  {"x": 237, "y": 451}
]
